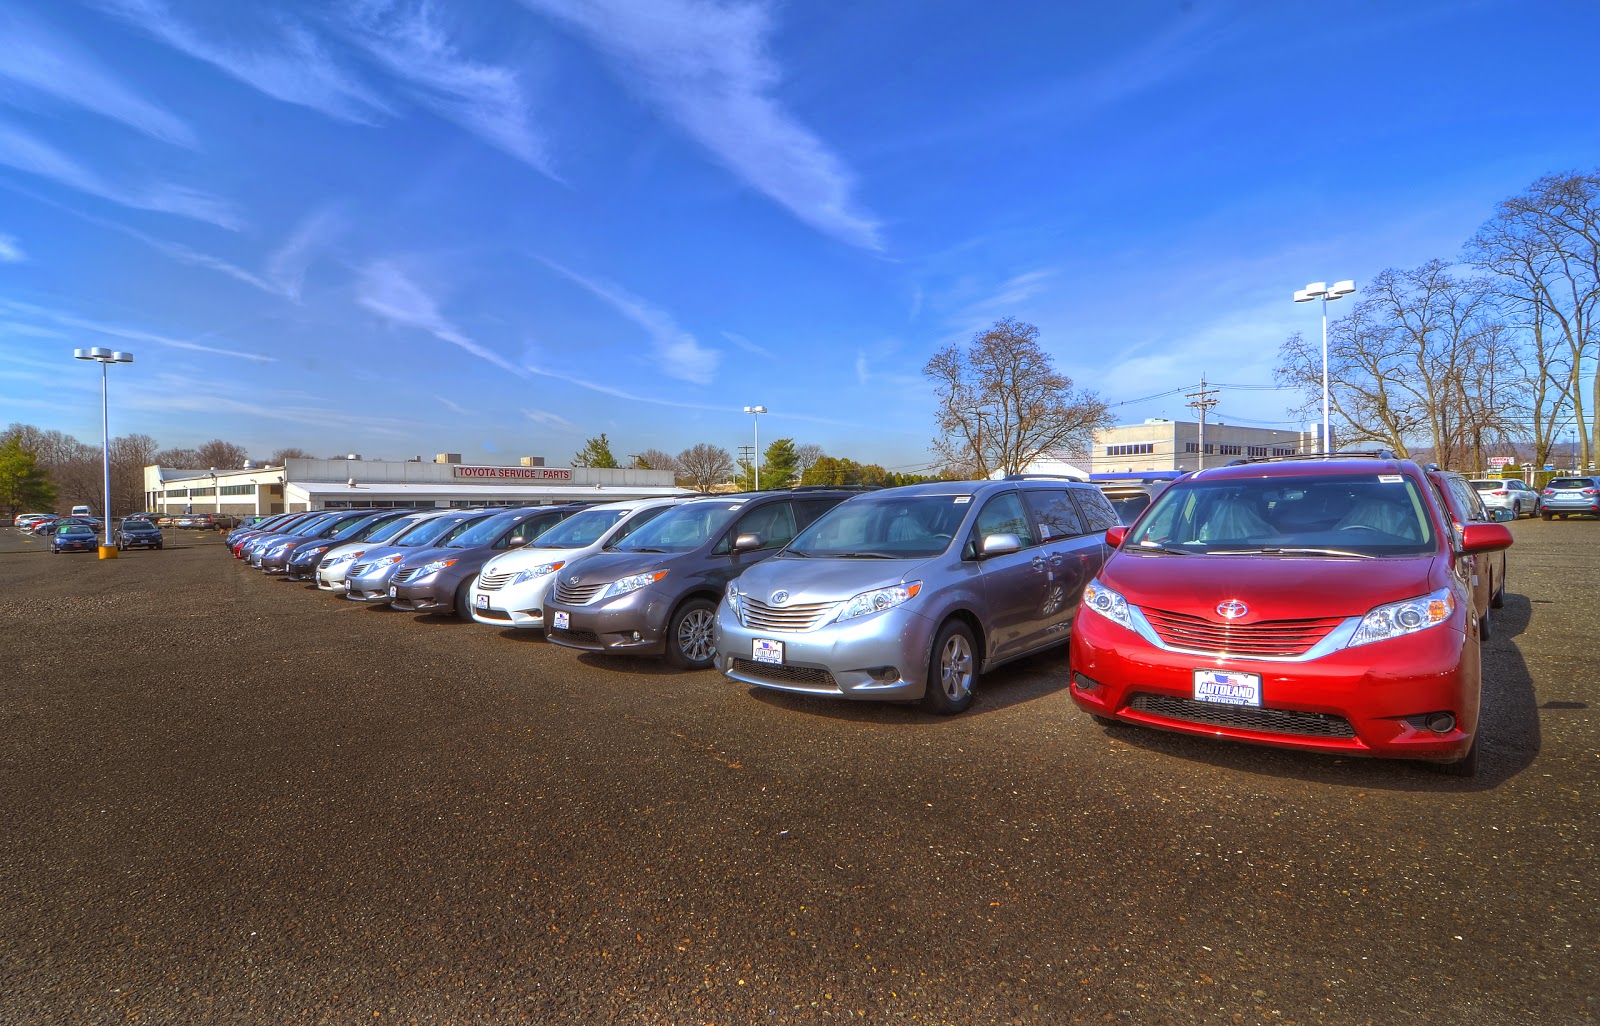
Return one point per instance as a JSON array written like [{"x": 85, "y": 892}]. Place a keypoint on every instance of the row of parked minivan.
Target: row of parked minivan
[{"x": 806, "y": 590}]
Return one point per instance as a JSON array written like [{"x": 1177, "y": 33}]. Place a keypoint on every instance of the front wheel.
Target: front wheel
[
  {"x": 1543, "y": 515},
  {"x": 463, "y": 608},
  {"x": 1466, "y": 766},
  {"x": 952, "y": 670},
  {"x": 690, "y": 643}
]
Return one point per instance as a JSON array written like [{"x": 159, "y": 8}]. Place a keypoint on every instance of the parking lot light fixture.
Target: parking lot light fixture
[
  {"x": 104, "y": 357},
  {"x": 1321, "y": 290},
  {"x": 756, "y": 412}
]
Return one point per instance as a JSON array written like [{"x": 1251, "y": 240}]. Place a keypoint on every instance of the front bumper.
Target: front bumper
[
  {"x": 879, "y": 657},
  {"x": 1366, "y": 701},
  {"x": 633, "y": 624},
  {"x": 372, "y": 586},
  {"x": 429, "y": 596},
  {"x": 140, "y": 543},
  {"x": 515, "y": 605}
]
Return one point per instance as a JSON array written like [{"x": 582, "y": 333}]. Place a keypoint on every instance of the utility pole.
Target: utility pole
[
  {"x": 746, "y": 452},
  {"x": 1203, "y": 401}
]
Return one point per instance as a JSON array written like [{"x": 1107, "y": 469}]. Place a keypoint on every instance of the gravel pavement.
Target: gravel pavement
[{"x": 230, "y": 799}]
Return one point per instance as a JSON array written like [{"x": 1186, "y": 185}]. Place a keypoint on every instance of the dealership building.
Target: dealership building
[
  {"x": 355, "y": 483},
  {"x": 1159, "y": 444}
]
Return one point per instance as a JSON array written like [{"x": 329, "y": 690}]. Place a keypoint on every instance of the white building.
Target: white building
[
  {"x": 356, "y": 483},
  {"x": 1160, "y": 444}
]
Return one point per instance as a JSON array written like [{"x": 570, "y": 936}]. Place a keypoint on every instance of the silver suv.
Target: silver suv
[{"x": 910, "y": 593}]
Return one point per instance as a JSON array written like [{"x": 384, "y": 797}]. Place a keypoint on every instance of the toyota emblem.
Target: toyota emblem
[
  {"x": 779, "y": 597},
  {"x": 573, "y": 579},
  {"x": 1232, "y": 609}
]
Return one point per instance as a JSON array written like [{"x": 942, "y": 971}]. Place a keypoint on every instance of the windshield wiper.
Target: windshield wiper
[
  {"x": 641, "y": 550},
  {"x": 1150, "y": 547},
  {"x": 864, "y": 555},
  {"x": 1292, "y": 551}
]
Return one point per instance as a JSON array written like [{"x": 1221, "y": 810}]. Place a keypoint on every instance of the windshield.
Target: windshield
[
  {"x": 356, "y": 529},
  {"x": 580, "y": 529},
  {"x": 427, "y": 532},
  {"x": 313, "y": 525},
  {"x": 385, "y": 532},
  {"x": 1353, "y": 514},
  {"x": 485, "y": 532},
  {"x": 139, "y": 525},
  {"x": 682, "y": 528},
  {"x": 899, "y": 527}
]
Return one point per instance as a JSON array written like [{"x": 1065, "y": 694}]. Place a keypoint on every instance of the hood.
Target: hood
[
  {"x": 605, "y": 567},
  {"x": 826, "y": 580},
  {"x": 477, "y": 555},
  {"x": 528, "y": 556},
  {"x": 1273, "y": 587}
]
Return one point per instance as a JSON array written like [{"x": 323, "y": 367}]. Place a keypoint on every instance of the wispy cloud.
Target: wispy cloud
[
  {"x": 30, "y": 312},
  {"x": 388, "y": 291},
  {"x": 680, "y": 354},
  {"x": 10, "y": 251},
  {"x": 453, "y": 407},
  {"x": 287, "y": 265},
  {"x": 38, "y": 59},
  {"x": 747, "y": 345},
  {"x": 546, "y": 419},
  {"x": 288, "y": 63},
  {"x": 706, "y": 65},
  {"x": 24, "y": 152},
  {"x": 409, "y": 40}
]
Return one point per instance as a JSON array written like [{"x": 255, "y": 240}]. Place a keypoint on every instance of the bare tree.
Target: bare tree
[
  {"x": 221, "y": 455},
  {"x": 179, "y": 459},
  {"x": 806, "y": 455},
  {"x": 73, "y": 467},
  {"x": 1002, "y": 403},
  {"x": 1421, "y": 360},
  {"x": 130, "y": 454},
  {"x": 1544, "y": 249},
  {"x": 291, "y": 453},
  {"x": 655, "y": 459},
  {"x": 703, "y": 466}
]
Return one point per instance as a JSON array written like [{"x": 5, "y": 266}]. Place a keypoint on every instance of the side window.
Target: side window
[
  {"x": 1098, "y": 513},
  {"x": 774, "y": 522},
  {"x": 1002, "y": 514},
  {"x": 1468, "y": 497},
  {"x": 808, "y": 510},
  {"x": 638, "y": 521},
  {"x": 1053, "y": 513}
]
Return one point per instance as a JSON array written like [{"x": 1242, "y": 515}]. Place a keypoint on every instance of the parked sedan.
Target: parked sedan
[
  {"x": 1571, "y": 497},
  {"x": 1202, "y": 621},
  {"x": 910, "y": 594},
  {"x": 438, "y": 580},
  {"x": 368, "y": 578},
  {"x": 1516, "y": 496},
  {"x": 74, "y": 538},
  {"x": 138, "y": 533}
]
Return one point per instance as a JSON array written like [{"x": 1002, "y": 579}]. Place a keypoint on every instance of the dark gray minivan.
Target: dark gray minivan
[{"x": 656, "y": 592}]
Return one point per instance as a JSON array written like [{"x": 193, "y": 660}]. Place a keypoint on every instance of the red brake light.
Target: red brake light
[
  {"x": 1549, "y": 491},
  {"x": 1501, "y": 491},
  {"x": 1590, "y": 491}
]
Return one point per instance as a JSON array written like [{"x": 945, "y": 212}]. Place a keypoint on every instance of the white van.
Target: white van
[{"x": 81, "y": 511}]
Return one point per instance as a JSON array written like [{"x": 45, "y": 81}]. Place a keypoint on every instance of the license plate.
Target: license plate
[
  {"x": 563, "y": 619},
  {"x": 393, "y": 591},
  {"x": 767, "y": 651},
  {"x": 483, "y": 602},
  {"x": 1227, "y": 687}
]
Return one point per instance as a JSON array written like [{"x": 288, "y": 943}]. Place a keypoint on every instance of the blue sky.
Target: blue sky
[{"x": 499, "y": 227}]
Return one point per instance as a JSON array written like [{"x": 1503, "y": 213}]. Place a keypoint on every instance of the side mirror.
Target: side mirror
[
  {"x": 1485, "y": 538},
  {"x": 1000, "y": 545},
  {"x": 1114, "y": 535},
  {"x": 1502, "y": 516},
  {"x": 516, "y": 543},
  {"x": 746, "y": 542}
]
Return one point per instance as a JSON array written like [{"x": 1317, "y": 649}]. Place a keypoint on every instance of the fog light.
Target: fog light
[
  {"x": 1441, "y": 722},
  {"x": 636, "y": 636},
  {"x": 884, "y": 674},
  {"x": 1083, "y": 683}
]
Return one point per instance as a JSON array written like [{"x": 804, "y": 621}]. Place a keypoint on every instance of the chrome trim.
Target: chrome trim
[{"x": 1333, "y": 641}]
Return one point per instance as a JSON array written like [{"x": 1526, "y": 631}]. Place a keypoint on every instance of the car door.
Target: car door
[
  {"x": 1016, "y": 585},
  {"x": 1072, "y": 553},
  {"x": 772, "y": 522},
  {"x": 1486, "y": 569}
]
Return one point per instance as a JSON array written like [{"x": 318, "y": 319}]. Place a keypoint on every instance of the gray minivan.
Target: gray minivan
[
  {"x": 656, "y": 591},
  {"x": 911, "y": 593}
]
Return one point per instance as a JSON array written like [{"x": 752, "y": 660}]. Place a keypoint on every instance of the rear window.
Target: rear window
[
  {"x": 1487, "y": 486},
  {"x": 1570, "y": 482}
]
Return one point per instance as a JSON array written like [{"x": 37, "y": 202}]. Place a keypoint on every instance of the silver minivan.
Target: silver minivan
[{"x": 910, "y": 593}]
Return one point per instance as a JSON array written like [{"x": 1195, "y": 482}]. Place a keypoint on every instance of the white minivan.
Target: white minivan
[{"x": 81, "y": 511}]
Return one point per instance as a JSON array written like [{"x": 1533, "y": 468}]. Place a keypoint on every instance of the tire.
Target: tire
[
  {"x": 1485, "y": 625},
  {"x": 1544, "y": 515},
  {"x": 463, "y": 608},
  {"x": 689, "y": 639},
  {"x": 952, "y": 670},
  {"x": 1497, "y": 598},
  {"x": 1466, "y": 766}
]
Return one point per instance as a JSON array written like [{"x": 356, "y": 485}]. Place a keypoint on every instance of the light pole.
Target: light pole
[
  {"x": 756, "y": 412},
  {"x": 1320, "y": 290},
  {"x": 103, "y": 357}
]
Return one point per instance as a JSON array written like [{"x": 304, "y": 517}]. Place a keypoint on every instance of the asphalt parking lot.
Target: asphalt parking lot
[{"x": 230, "y": 799}]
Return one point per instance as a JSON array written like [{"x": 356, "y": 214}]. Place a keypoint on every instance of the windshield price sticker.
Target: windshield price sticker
[
  {"x": 1227, "y": 687},
  {"x": 962, "y": 498},
  {"x": 1390, "y": 478},
  {"x": 765, "y": 651}
]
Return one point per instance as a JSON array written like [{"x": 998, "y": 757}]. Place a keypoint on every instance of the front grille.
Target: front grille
[
  {"x": 493, "y": 614},
  {"x": 358, "y": 569},
  {"x": 405, "y": 574},
  {"x": 577, "y": 594},
  {"x": 326, "y": 562},
  {"x": 1270, "y": 638},
  {"x": 799, "y": 617},
  {"x": 576, "y": 637},
  {"x": 494, "y": 582},
  {"x": 774, "y": 673},
  {"x": 1243, "y": 717}
]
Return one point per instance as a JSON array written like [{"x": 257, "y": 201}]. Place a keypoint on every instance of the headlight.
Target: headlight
[
  {"x": 436, "y": 566},
  {"x": 538, "y": 571},
  {"x": 379, "y": 564},
  {"x": 1408, "y": 617},
  {"x": 634, "y": 583},
  {"x": 1107, "y": 603},
  {"x": 733, "y": 602},
  {"x": 344, "y": 557},
  {"x": 879, "y": 600}
]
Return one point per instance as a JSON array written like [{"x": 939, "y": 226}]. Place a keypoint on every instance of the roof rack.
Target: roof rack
[
  {"x": 1343, "y": 454},
  {"x": 1041, "y": 477}
]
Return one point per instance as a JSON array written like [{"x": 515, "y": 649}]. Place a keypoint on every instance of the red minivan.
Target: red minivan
[{"x": 1317, "y": 603}]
